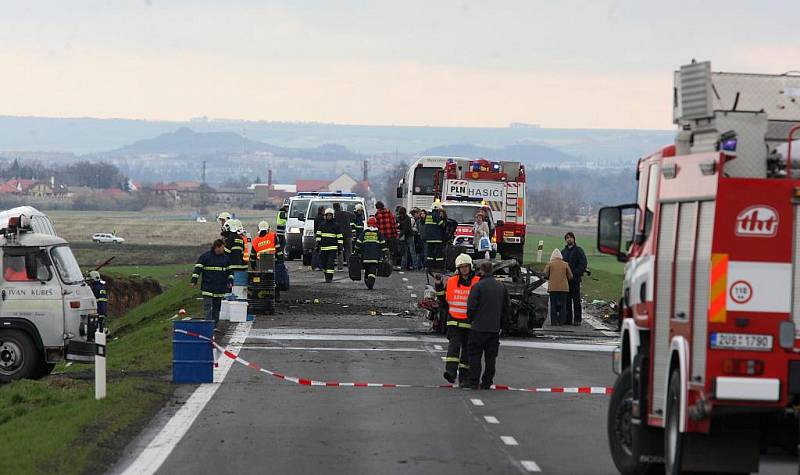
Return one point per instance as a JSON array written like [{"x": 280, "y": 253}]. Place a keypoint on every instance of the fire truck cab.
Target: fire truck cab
[{"x": 709, "y": 356}]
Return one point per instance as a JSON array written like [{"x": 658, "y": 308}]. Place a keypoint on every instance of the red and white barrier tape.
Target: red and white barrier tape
[{"x": 336, "y": 384}]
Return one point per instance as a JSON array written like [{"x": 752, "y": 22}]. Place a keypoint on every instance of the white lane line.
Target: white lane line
[
  {"x": 506, "y": 343},
  {"x": 159, "y": 448},
  {"x": 410, "y": 287},
  {"x": 405, "y": 279},
  {"x": 491, "y": 420},
  {"x": 437, "y": 347},
  {"x": 530, "y": 466},
  {"x": 508, "y": 440},
  {"x": 327, "y": 348},
  {"x": 413, "y": 296},
  {"x": 476, "y": 402}
]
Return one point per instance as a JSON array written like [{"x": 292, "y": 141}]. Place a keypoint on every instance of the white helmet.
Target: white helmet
[
  {"x": 359, "y": 207},
  {"x": 94, "y": 275},
  {"x": 263, "y": 226},
  {"x": 463, "y": 260},
  {"x": 233, "y": 225},
  {"x": 329, "y": 211},
  {"x": 437, "y": 205},
  {"x": 224, "y": 215}
]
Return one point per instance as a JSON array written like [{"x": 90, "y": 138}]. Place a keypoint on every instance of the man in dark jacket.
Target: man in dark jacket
[
  {"x": 433, "y": 234},
  {"x": 576, "y": 258},
  {"x": 216, "y": 279},
  {"x": 372, "y": 248},
  {"x": 346, "y": 221},
  {"x": 487, "y": 306},
  {"x": 98, "y": 286},
  {"x": 329, "y": 243}
]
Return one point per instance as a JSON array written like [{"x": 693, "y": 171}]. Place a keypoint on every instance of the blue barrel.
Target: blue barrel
[
  {"x": 240, "y": 277},
  {"x": 192, "y": 357}
]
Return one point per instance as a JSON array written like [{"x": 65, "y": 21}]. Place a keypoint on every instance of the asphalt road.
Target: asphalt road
[{"x": 255, "y": 423}]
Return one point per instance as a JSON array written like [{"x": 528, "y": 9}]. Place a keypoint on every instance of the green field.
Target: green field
[
  {"x": 84, "y": 435},
  {"x": 605, "y": 283}
]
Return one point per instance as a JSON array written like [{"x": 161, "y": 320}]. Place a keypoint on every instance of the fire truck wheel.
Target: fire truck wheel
[
  {"x": 620, "y": 430},
  {"x": 44, "y": 369},
  {"x": 18, "y": 356},
  {"x": 673, "y": 439}
]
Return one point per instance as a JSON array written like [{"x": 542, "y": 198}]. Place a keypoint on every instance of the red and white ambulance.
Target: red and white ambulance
[{"x": 709, "y": 360}]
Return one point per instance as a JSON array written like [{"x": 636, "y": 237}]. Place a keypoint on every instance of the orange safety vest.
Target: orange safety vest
[
  {"x": 457, "y": 295},
  {"x": 265, "y": 244},
  {"x": 246, "y": 250}
]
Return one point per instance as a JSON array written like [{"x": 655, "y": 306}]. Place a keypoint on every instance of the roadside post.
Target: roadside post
[
  {"x": 539, "y": 251},
  {"x": 100, "y": 363}
]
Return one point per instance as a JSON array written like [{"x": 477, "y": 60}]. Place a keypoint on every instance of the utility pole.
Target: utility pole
[
  {"x": 203, "y": 187},
  {"x": 366, "y": 171}
]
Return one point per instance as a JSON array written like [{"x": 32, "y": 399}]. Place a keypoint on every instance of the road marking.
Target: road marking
[
  {"x": 437, "y": 347},
  {"x": 508, "y": 440},
  {"x": 160, "y": 447},
  {"x": 405, "y": 279},
  {"x": 476, "y": 402},
  {"x": 491, "y": 420},
  {"x": 328, "y": 348},
  {"x": 413, "y": 296},
  {"x": 410, "y": 287},
  {"x": 507, "y": 343},
  {"x": 530, "y": 466}
]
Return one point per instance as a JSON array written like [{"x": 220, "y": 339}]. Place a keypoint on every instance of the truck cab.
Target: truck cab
[{"x": 47, "y": 310}]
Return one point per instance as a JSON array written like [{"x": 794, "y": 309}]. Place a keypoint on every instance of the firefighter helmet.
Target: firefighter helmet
[
  {"x": 224, "y": 215},
  {"x": 437, "y": 205},
  {"x": 359, "y": 207},
  {"x": 463, "y": 260},
  {"x": 328, "y": 210},
  {"x": 94, "y": 275},
  {"x": 263, "y": 226}
]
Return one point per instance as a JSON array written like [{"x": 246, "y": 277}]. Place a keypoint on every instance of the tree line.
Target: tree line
[{"x": 79, "y": 173}]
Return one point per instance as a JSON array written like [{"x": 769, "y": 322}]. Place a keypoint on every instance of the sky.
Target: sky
[{"x": 566, "y": 63}]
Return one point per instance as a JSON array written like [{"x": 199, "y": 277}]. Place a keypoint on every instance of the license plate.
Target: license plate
[{"x": 741, "y": 341}]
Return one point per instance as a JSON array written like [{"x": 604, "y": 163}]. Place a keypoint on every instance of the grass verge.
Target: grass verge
[{"x": 55, "y": 425}]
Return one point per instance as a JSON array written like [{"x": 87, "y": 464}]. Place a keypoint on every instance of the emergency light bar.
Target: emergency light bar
[
  {"x": 337, "y": 193},
  {"x": 472, "y": 199}
]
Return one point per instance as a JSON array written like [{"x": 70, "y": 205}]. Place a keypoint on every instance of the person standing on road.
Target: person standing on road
[
  {"x": 329, "y": 243},
  {"x": 371, "y": 246},
  {"x": 319, "y": 220},
  {"x": 420, "y": 244},
  {"x": 280, "y": 225},
  {"x": 358, "y": 222},
  {"x": 433, "y": 236},
  {"x": 266, "y": 244},
  {"x": 98, "y": 286},
  {"x": 488, "y": 305},
  {"x": 405, "y": 228},
  {"x": 216, "y": 279},
  {"x": 558, "y": 276},
  {"x": 453, "y": 299},
  {"x": 480, "y": 230},
  {"x": 346, "y": 221},
  {"x": 234, "y": 245},
  {"x": 576, "y": 258},
  {"x": 387, "y": 225}
]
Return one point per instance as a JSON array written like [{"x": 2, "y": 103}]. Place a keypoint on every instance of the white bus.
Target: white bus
[{"x": 417, "y": 188}]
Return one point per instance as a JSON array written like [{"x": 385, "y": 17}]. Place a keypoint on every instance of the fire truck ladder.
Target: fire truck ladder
[{"x": 512, "y": 196}]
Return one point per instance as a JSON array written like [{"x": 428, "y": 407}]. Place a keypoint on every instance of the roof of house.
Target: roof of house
[
  {"x": 187, "y": 184},
  {"x": 6, "y": 188},
  {"x": 20, "y": 184},
  {"x": 312, "y": 185}
]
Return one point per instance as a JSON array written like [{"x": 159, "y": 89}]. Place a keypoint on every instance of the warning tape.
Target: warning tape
[{"x": 337, "y": 384}]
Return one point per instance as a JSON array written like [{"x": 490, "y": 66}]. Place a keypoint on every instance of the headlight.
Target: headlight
[{"x": 294, "y": 230}]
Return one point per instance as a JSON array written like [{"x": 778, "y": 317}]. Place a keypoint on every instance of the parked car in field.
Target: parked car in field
[{"x": 107, "y": 238}]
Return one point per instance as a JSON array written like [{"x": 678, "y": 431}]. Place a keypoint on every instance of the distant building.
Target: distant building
[
  {"x": 344, "y": 183},
  {"x": 523, "y": 125}
]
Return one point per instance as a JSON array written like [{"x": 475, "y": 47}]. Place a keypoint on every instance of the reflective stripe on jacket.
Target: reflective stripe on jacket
[
  {"x": 329, "y": 236},
  {"x": 264, "y": 244},
  {"x": 371, "y": 246},
  {"x": 215, "y": 274},
  {"x": 456, "y": 295}
]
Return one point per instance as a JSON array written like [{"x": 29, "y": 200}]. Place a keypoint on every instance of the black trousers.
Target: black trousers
[
  {"x": 574, "y": 310},
  {"x": 457, "y": 361},
  {"x": 486, "y": 345},
  {"x": 328, "y": 262},
  {"x": 434, "y": 255},
  {"x": 370, "y": 273}
]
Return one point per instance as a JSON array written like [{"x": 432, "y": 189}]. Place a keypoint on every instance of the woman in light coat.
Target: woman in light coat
[
  {"x": 558, "y": 276},
  {"x": 480, "y": 230}
]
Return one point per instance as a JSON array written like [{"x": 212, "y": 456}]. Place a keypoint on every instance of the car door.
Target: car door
[{"x": 31, "y": 292}]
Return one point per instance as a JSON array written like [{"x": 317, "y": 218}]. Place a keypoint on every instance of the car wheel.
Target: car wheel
[
  {"x": 18, "y": 356},
  {"x": 673, "y": 438}
]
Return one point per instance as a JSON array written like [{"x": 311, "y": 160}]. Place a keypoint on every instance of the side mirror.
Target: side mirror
[
  {"x": 610, "y": 234},
  {"x": 399, "y": 192}
]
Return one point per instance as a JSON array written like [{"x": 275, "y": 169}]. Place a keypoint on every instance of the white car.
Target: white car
[{"x": 107, "y": 238}]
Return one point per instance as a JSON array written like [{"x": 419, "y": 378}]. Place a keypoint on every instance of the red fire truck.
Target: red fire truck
[{"x": 709, "y": 357}]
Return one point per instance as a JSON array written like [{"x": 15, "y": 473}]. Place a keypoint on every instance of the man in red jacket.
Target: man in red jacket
[{"x": 387, "y": 225}]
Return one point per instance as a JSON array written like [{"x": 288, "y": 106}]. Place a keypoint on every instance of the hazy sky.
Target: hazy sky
[{"x": 471, "y": 63}]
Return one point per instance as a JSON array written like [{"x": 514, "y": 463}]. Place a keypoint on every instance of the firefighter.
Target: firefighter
[
  {"x": 280, "y": 225},
  {"x": 216, "y": 279},
  {"x": 329, "y": 242},
  {"x": 453, "y": 298},
  {"x": 234, "y": 245},
  {"x": 266, "y": 243},
  {"x": 245, "y": 247},
  {"x": 433, "y": 234},
  {"x": 100, "y": 293},
  {"x": 371, "y": 246},
  {"x": 223, "y": 218},
  {"x": 358, "y": 222}
]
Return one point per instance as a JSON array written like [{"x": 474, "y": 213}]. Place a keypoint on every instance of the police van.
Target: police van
[
  {"x": 47, "y": 312},
  {"x": 295, "y": 222},
  {"x": 324, "y": 200}
]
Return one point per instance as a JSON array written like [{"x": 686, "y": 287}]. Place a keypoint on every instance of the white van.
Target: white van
[
  {"x": 295, "y": 222},
  {"x": 326, "y": 200}
]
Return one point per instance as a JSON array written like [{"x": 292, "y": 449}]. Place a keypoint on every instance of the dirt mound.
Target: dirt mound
[{"x": 125, "y": 293}]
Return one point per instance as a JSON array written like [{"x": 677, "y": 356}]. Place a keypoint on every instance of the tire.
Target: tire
[
  {"x": 44, "y": 369},
  {"x": 673, "y": 439},
  {"x": 620, "y": 429},
  {"x": 19, "y": 358}
]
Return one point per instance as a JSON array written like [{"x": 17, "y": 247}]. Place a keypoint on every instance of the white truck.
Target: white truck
[{"x": 47, "y": 312}]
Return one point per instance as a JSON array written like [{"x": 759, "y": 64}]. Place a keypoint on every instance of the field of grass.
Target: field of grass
[
  {"x": 55, "y": 425},
  {"x": 605, "y": 283}
]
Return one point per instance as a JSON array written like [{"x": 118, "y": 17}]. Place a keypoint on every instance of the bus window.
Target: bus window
[{"x": 424, "y": 180}]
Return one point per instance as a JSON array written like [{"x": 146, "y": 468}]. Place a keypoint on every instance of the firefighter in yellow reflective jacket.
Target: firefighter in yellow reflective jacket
[
  {"x": 329, "y": 242},
  {"x": 371, "y": 246},
  {"x": 234, "y": 244},
  {"x": 453, "y": 297}
]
